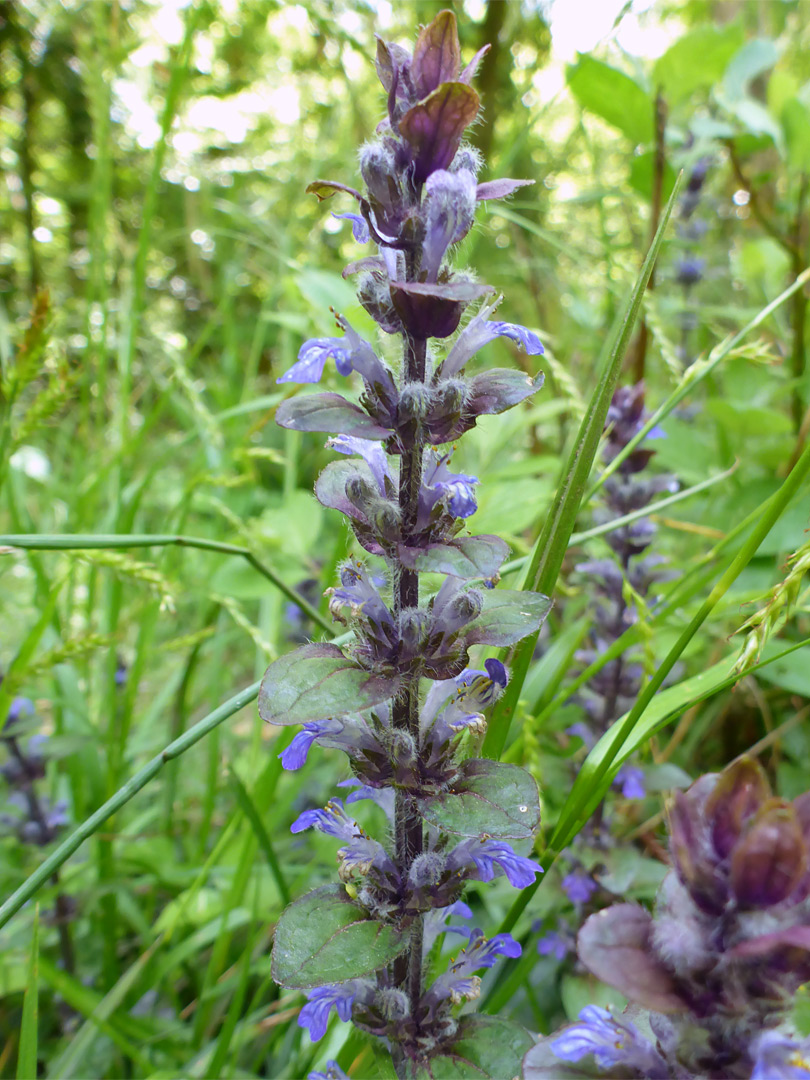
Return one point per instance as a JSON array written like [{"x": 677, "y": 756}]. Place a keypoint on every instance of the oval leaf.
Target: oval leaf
[
  {"x": 507, "y": 616},
  {"x": 328, "y": 412},
  {"x": 465, "y": 557},
  {"x": 490, "y": 797},
  {"x": 324, "y": 938},
  {"x": 434, "y": 127},
  {"x": 315, "y": 682},
  {"x": 485, "y": 1048}
]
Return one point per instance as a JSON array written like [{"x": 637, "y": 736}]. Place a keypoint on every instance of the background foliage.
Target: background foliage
[{"x": 159, "y": 268}]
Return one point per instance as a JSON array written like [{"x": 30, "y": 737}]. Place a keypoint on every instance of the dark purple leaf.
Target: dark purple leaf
[
  {"x": 770, "y": 859},
  {"x": 468, "y": 74},
  {"x": 325, "y": 189},
  {"x": 615, "y": 945},
  {"x": 328, "y": 412},
  {"x": 436, "y": 56},
  {"x": 739, "y": 792},
  {"x": 434, "y": 127},
  {"x": 433, "y": 310}
]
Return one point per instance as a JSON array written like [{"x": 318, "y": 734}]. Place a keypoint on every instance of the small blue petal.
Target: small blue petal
[
  {"x": 360, "y": 229},
  {"x": 295, "y": 755},
  {"x": 519, "y": 334}
]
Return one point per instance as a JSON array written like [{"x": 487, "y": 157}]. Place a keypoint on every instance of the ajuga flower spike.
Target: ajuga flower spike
[{"x": 399, "y": 700}]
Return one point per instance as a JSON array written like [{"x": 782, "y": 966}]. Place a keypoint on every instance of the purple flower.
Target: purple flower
[
  {"x": 777, "y": 1057},
  {"x": 479, "y": 332},
  {"x": 371, "y": 452},
  {"x": 689, "y": 271},
  {"x": 481, "y": 859},
  {"x": 333, "y": 1072},
  {"x": 554, "y": 942},
  {"x": 440, "y": 486},
  {"x": 383, "y": 797},
  {"x": 338, "y": 996},
  {"x": 338, "y": 732},
  {"x": 350, "y": 353},
  {"x": 436, "y": 923},
  {"x": 469, "y": 693},
  {"x": 19, "y": 708},
  {"x": 460, "y": 982},
  {"x": 359, "y": 854},
  {"x": 332, "y": 820},
  {"x": 611, "y": 1042},
  {"x": 360, "y": 229},
  {"x": 630, "y": 780},
  {"x": 579, "y": 887}
]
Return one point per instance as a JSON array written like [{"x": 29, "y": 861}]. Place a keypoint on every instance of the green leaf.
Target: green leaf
[
  {"x": 486, "y": 1048},
  {"x": 29, "y": 1027},
  {"x": 641, "y": 175},
  {"x": 464, "y": 557},
  {"x": 753, "y": 59},
  {"x": 315, "y": 682},
  {"x": 795, "y": 117},
  {"x": 507, "y": 616},
  {"x": 801, "y": 1010},
  {"x": 696, "y": 60},
  {"x": 614, "y": 96},
  {"x": 552, "y": 544},
  {"x": 324, "y": 937},
  {"x": 490, "y": 797}
]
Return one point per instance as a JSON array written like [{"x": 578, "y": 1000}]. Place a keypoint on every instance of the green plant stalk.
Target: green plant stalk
[
  {"x": 92, "y": 542},
  {"x": 695, "y": 374},
  {"x": 29, "y": 1026},
  {"x": 549, "y": 551},
  {"x": 131, "y": 788}
]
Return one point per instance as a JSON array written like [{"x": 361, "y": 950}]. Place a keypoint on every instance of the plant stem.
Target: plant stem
[{"x": 408, "y": 824}]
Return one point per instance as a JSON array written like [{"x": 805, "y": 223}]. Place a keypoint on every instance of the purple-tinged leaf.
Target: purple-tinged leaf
[
  {"x": 316, "y": 682},
  {"x": 793, "y": 937},
  {"x": 499, "y": 189},
  {"x": 507, "y": 616},
  {"x": 369, "y": 262},
  {"x": 484, "y": 1047},
  {"x": 770, "y": 859},
  {"x": 433, "y": 310},
  {"x": 739, "y": 792},
  {"x": 435, "y": 126},
  {"x": 465, "y": 557},
  {"x": 468, "y": 74},
  {"x": 488, "y": 797},
  {"x": 323, "y": 938},
  {"x": 688, "y": 846},
  {"x": 328, "y": 412},
  {"x": 614, "y": 944},
  {"x": 436, "y": 55},
  {"x": 500, "y": 389}
]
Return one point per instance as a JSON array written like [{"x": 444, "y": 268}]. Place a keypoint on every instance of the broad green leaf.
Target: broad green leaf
[
  {"x": 696, "y": 60},
  {"x": 464, "y": 557},
  {"x": 641, "y": 175},
  {"x": 507, "y": 616},
  {"x": 328, "y": 412},
  {"x": 490, "y": 797},
  {"x": 614, "y": 96},
  {"x": 753, "y": 59},
  {"x": 324, "y": 937},
  {"x": 29, "y": 1026},
  {"x": 485, "y": 1048},
  {"x": 315, "y": 682}
]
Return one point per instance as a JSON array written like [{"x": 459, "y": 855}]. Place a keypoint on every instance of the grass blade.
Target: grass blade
[
  {"x": 549, "y": 551},
  {"x": 29, "y": 1028}
]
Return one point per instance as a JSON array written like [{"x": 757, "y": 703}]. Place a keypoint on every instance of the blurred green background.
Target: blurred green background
[{"x": 160, "y": 266}]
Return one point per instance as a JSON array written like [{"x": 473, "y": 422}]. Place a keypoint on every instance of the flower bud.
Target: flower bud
[
  {"x": 413, "y": 630},
  {"x": 374, "y": 294},
  {"x": 392, "y": 1003},
  {"x": 427, "y": 869},
  {"x": 385, "y": 519},
  {"x": 414, "y": 401},
  {"x": 401, "y": 749},
  {"x": 467, "y": 159},
  {"x": 770, "y": 859},
  {"x": 360, "y": 493},
  {"x": 378, "y": 169},
  {"x": 739, "y": 792}
]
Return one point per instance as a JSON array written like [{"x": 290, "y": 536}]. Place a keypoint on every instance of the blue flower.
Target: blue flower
[
  {"x": 340, "y": 733},
  {"x": 439, "y": 485},
  {"x": 460, "y": 982},
  {"x": 383, "y": 797},
  {"x": 479, "y": 332},
  {"x": 333, "y": 1072},
  {"x": 555, "y": 942},
  {"x": 579, "y": 887},
  {"x": 20, "y": 707},
  {"x": 360, "y": 229},
  {"x": 777, "y": 1057},
  {"x": 479, "y": 860},
  {"x": 332, "y": 820},
  {"x": 436, "y": 922},
  {"x": 338, "y": 996},
  {"x": 359, "y": 854},
  {"x": 630, "y": 780},
  {"x": 350, "y": 353},
  {"x": 456, "y": 704},
  {"x": 611, "y": 1041},
  {"x": 371, "y": 452}
]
